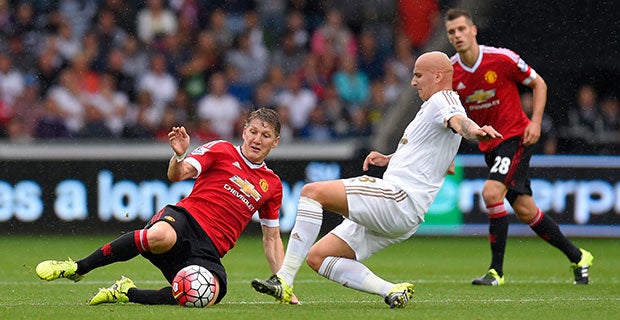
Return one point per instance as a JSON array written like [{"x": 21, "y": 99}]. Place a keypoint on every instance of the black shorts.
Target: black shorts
[
  {"x": 509, "y": 163},
  {"x": 193, "y": 246}
]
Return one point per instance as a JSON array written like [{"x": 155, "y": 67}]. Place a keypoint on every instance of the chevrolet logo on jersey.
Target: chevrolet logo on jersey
[
  {"x": 480, "y": 96},
  {"x": 246, "y": 187}
]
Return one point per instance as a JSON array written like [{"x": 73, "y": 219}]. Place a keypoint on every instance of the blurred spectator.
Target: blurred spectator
[
  {"x": 287, "y": 55},
  {"x": 87, "y": 78},
  {"x": 111, "y": 104},
  {"x": 79, "y": 14},
  {"x": 47, "y": 70},
  {"x": 236, "y": 11},
  {"x": 255, "y": 30},
  {"x": 188, "y": 13},
  {"x": 264, "y": 95},
  {"x": 369, "y": 59},
  {"x": 65, "y": 42},
  {"x": 177, "y": 51},
  {"x": 335, "y": 34},
  {"x": 610, "y": 134},
  {"x": 403, "y": 60},
  {"x": 94, "y": 123},
  {"x": 65, "y": 110},
  {"x": 237, "y": 87},
  {"x": 311, "y": 76},
  {"x": 28, "y": 108},
  {"x": 287, "y": 133},
  {"x": 125, "y": 13},
  {"x": 203, "y": 132},
  {"x": 183, "y": 106},
  {"x": 168, "y": 120},
  {"x": 272, "y": 13},
  {"x": 115, "y": 68},
  {"x": 154, "y": 22},
  {"x": 377, "y": 106},
  {"x": 352, "y": 84},
  {"x": 136, "y": 61},
  {"x": 206, "y": 59},
  {"x": 159, "y": 82},
  {"x": 251, "y": 61},
  {"x": 5, "y": 16},
  {"x": 224, "y": 37},
  {"x": 313, "y": 11},
  {"x": 12, "y": 83},
  {"x": 417, "y": 20},
  {"x": 24, "y": 37},
  {"x": 318, "y": 128},
  {"x": 392, "y": 84},
  {"x": 584, "y": 120},
  {"x": 277, "y": 79},
  {"x": 299, "y": 100},
  {"x": 142, "y": 118},
  {"x": 336, "y": 111},
  {"x": 220, "y": 107},
  {"x": 360, "y": 123},
  {"x": 548, "y": 142},
  {"x": 296, "y": 26},
  {"x": 109, "y": 36}
]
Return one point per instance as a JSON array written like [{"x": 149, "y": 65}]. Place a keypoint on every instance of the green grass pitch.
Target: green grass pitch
[{"x": 538, "y": 283}]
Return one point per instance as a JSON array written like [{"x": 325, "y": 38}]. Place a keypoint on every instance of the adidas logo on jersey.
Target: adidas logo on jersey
[
  {"x": 460, "y": 86},
  {"x": 236, "y": 164}
]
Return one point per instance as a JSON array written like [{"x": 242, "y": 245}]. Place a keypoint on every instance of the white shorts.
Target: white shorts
[{"x": 380, "y": 214}]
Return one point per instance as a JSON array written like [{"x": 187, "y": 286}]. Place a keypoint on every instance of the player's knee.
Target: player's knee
[
  {"x": 314, "y": 260},
  {"x": 161, "y": 237},
  {"x": 311, "y": 190}
]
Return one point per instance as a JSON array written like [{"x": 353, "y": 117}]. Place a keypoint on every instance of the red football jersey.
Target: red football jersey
[
  {"x": 489, "y": 91},
  {"x": 228, "y": 190}
]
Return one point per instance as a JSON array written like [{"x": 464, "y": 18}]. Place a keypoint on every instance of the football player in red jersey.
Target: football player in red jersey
[
  {"x": 232, "y": 183},
  {"x": 486, "y": 79}
]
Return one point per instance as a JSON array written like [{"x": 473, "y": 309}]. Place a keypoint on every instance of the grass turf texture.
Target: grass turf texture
[{"x": 538, "y": 283}]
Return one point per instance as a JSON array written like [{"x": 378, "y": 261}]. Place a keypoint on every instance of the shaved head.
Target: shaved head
[
  {"x": 436, "y": 61},
  {"x": 432, "y": 73}
]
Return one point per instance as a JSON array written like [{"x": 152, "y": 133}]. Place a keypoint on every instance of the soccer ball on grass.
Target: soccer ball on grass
[{"x": 194, "y": 286}]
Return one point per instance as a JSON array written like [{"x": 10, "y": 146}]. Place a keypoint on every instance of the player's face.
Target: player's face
[
  {"x": 258, "y": 139},
  {"x": 423, "y": 81},
  {"x": 461, "y": 33}
]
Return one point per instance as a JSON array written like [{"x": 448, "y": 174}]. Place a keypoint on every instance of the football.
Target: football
[{"x": 194, "y": 286}]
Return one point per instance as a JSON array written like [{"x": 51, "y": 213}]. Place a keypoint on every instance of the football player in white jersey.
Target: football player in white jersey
[{"x": 380, "y": 212}]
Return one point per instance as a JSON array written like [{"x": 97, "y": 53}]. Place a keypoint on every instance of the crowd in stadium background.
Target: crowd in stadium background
[{"x": 108, "y": 69}]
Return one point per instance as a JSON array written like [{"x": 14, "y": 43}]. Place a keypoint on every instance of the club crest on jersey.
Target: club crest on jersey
[
  {"x": 246, "y": 187},
  {"x": 490, "y": 76},
  {"x": 480, "y": 96},
  {"x": 263, "y": 185}
]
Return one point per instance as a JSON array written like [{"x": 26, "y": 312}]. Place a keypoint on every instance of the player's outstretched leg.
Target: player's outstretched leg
[
  {"x": 581, "y": 270},
  {"x": 399, "y": 295},
  {"x": 116, "y": 293},
  {"x": 53, "y": 269},
  {"x": 276, "y": 287},
  {"x": 491, "y": 278}
]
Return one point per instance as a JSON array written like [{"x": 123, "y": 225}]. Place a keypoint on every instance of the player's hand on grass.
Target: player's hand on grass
[{"x": 294, "y": 300}]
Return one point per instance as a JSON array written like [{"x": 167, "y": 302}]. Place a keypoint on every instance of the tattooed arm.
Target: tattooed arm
[{"x": 470, "y": 130}]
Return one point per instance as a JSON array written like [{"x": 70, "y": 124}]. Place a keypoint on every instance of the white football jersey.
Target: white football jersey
[{"x": 427, "y": 149}]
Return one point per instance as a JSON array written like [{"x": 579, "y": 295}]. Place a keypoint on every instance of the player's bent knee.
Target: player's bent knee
[
  {"x": 311, "y": 190},
  {"x": 161, "y": 237},
  {"x": 314, "y": 260}
]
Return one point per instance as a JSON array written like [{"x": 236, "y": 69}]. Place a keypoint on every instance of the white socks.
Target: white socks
[
  {"x": 304, "y": 234},
  {"x": 353, "y": 274}
]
